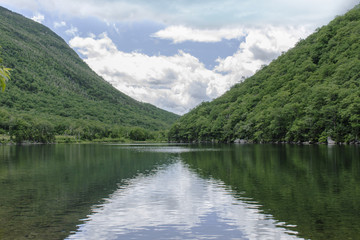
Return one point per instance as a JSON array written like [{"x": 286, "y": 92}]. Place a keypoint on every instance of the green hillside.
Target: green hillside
[
  {"x": 309, "y": 93},
  {"x": 52, "y": 87}
]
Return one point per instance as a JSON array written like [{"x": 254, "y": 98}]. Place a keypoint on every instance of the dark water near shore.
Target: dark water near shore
[{"x": 179, "y": 192}]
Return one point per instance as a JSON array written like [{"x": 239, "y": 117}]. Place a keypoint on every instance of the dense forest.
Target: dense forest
[
  {"x": 309, "y": 94},
  {"x": 53, "y": 92}
]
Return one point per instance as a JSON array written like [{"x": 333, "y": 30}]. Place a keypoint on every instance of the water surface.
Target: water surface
[{"x": 179, "y": 192}]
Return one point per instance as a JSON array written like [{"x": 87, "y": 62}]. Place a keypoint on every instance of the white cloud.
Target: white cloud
[
  {"x": 196, "y": 13},
  {"x": 38, "y": 18},
  {"x": 180, "y": 82},
  {"x": 59, "y": 24},
  {"x": 94, "y": 48},
  {"x": 176, "y": 83},
  {"x": 179, "y": 34},
  {"x": 260, "y": 47},
  {"x": 72, "y": 31}
]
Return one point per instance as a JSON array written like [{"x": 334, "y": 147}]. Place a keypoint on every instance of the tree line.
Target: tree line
[{"x": 27, "y": 128}]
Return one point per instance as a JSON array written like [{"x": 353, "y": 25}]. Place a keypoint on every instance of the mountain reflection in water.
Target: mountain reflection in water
[
  {"x": 175, "y": 203},
  {"x": 109, "y": 191}
]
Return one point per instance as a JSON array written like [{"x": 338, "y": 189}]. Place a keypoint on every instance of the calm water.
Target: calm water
[{"x": 179, "y": 192}]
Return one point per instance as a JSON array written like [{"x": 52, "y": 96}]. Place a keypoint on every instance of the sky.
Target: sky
[{"x": 176, "y": 54}]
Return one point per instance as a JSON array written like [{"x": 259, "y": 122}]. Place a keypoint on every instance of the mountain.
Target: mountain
[
  {"x": 310, "y": 93},
  {"x": 52, "y": 85}
]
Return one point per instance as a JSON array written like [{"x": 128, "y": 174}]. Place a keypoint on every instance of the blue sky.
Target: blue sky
[{"x": 176, "y": 54}]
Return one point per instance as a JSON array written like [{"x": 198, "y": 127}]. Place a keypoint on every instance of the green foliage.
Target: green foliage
[
  {"x": 4, "y": 75},
  {"x": 42, "y": 132},
  {"x": 309, "y": 93},
  {"x": 50, "y": 82},
  {"x": 139, "y": 134},
  {"x": 27, "y": 127}
]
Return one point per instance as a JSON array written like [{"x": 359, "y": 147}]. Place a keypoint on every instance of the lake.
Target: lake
[{"x": 111, "y": 191}]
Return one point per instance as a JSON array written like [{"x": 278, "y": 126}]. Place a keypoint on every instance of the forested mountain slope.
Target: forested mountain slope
[
  {"x": 309, "y": 93},
  {"x": 50, "y": 83}
]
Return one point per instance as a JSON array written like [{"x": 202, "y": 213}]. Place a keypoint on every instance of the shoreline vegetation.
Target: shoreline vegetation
[
  {"x": 6, "y": 139},
  {"x": 243, "y": 141},
  {"x": 40, "y": 134}
]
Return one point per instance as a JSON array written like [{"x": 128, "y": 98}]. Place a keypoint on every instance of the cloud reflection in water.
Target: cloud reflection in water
[{"x": 175, "y": 203}]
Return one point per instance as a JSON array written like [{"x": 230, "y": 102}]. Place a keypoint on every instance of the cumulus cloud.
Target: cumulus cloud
[
  {"x": 59, "y": 24},
  {"x": 179, "y": 34},
  {"x": 175, "y": 83},
  {"x": 38, "y": 18},
  {"x": 72, "y": 31},
  {"x": 260, "y": 47},
  {"x": 180, "y": 82},
  {"x": 196, "y": 13}
]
